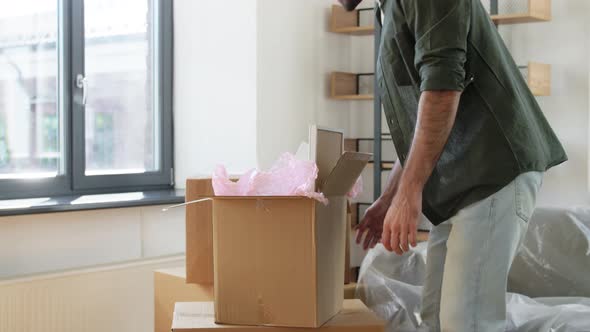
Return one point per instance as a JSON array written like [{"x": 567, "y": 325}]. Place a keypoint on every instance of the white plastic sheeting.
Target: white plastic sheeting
[
  {"x": 554, "y": 261},
  {"x": 555, "y": 257}
]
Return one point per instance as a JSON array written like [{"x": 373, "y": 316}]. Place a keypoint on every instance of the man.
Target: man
[{"x": 473, "y": 145}]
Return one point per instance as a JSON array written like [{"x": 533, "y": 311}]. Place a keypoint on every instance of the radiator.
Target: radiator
[{"x": 107, "y": 298}]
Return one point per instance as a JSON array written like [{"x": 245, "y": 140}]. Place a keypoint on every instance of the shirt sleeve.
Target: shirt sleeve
[{"x": 440, "y": 28}]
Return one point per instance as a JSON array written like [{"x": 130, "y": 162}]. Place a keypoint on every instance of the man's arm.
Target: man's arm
[
  {"x": 440, "y": 29},
  {"x": 392, "y": 182},
  {"x": 436, "y": 115}
]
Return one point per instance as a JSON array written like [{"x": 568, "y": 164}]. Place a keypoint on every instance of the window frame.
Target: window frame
[{"x": 72, "y": 179}]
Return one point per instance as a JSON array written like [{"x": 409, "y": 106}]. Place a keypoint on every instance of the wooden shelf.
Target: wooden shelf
[
  {"x": 517, "y": 19},
  {"x": 357, "y": 31},
  {"x": 384, "y": 164},
  {"x": 353, "y": 97},
  {"x": 344, "y": 86},
  {"x": 538, "y": 77},
  {"x": 345, "y": 22},
  {"x": 538, "y": 11},
  {"x": 387, "y": 166}
]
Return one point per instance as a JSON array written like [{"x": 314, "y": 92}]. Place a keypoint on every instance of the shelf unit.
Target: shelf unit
[
  {"x": 346, "y": 86},
  {"x": 537, "y": 11},
  {"x": 345, "y": 22}
]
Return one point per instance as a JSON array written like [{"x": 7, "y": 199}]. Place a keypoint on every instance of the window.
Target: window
[{"x": 85, "y": 96}]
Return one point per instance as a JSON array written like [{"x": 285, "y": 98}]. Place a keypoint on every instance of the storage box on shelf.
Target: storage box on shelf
[
  {"x": 346, "y": 86},
  {"x": 199, "y": 317},
  {"x": 352, "y": 22},
  {"x": 538, "y": 77},
  {"x": 533, "y": 11}
]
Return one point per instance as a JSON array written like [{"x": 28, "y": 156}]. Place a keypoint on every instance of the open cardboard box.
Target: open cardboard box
[{"x": 278, "y": 261}]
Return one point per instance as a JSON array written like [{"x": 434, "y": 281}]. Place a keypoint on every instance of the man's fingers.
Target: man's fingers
[
  {"x": 386, "y": 238},
  {"x": 394, "y": 240},
  {"x": 403, "y": 237},
  {"x": 368, "y": 240},
  {"x": 413, "y": 234},
  {"x": 359, "y": 232}
]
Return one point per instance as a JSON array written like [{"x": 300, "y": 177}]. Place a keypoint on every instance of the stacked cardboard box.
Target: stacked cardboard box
[
  {"x": 170, "y": 287},
  {"x": 199, "y": 317},
  {"x": 350, "y": 291},
  {"x": 195, "y": 282},
  {"x": 275, "y": 262}
]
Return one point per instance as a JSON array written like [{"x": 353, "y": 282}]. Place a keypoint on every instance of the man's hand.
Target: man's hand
[
  {"x": 372, "y": 224},
  {"x": 401, "y": 222}
]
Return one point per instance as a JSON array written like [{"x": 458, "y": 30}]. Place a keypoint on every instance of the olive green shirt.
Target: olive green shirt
[{"x": 499, "y": 131}]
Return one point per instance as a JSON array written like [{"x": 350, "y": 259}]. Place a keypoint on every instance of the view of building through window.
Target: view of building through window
[
  {"x": 29, "y": 121},
  {"x": 118, "y": 65},
  {"x": 120, "y": 118}
]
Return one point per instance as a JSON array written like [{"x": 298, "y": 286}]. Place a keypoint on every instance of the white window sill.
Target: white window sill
[{"x": 89, "y": 202}]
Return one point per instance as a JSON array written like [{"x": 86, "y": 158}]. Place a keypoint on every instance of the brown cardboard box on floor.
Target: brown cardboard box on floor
[
  {"x": 279, "y": 261},
  {"x": 199, "y": 232},
  {"x": 199, "y": 317},
  {"x": 170, "y": 287}
]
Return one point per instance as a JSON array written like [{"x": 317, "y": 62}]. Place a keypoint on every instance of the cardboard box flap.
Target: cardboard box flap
[
  {"x": 345, "y": 173},
  {"x": 326, "y": 147}
]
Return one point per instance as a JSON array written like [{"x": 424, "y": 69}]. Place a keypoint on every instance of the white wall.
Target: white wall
[
  {"x": 214, "y": 86},
  {"x": 295, "y": 53},
  {"x": 564, "y": 44},
  {"x": 246, "y": 90},
  {"x": 39, "y": 243}
]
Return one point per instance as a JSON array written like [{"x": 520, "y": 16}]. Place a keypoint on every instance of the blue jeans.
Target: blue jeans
[{"x": 469, "y": 257}]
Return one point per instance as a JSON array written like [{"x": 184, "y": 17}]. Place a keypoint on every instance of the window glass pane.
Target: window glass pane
[
  {"x": 29, "y": 112},
  {"x": 120, "y": 117}
]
